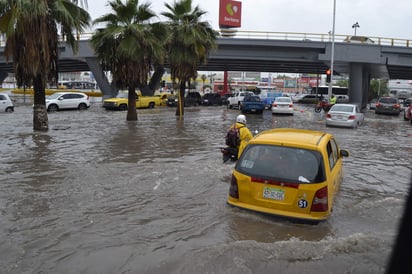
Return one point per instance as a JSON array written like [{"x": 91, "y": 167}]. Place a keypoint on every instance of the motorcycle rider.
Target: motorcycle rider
[
  {"x": 245, "y": 134},
  {"x": 332, "y": 100}
]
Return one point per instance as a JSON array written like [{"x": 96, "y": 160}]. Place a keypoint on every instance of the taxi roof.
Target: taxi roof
[{"x": 291, "y": 137}]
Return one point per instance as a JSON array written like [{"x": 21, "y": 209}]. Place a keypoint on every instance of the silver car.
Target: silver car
[
  {"x": 282, "y": 105},
  {"x": 345, "y": 115}
]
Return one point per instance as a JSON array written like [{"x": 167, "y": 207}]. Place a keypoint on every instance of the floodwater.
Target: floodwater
[{"x": 98, "y": 194}]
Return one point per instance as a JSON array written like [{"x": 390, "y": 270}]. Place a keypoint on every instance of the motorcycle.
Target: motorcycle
[
  {"x": 323, "y": 105},
  {"x": 229, "y": 153}
]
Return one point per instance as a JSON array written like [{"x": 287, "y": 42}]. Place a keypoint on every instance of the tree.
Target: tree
[
  {"x": 31, "y": 30},
  {"x": 377, "y": 88},
  {"x": 129, "y": 45},
  {"x": 203, "y": 80},
  {"x": 188, "y": 44}
]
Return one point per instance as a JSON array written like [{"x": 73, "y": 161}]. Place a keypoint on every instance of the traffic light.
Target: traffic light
[
  {"x": 328, "y": 76},
  {"x": 163, "y": 83}
]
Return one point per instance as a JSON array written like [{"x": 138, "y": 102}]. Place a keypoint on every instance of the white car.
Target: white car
[
  {"x": 6, "y": 104},
  {"x": 282, "y": 105},
  {"x": 67, "y": 100},
  {"x": 344, "y": 115}
]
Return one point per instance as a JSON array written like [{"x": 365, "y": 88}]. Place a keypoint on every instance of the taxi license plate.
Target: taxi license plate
[{"x": 274, "y": 194}]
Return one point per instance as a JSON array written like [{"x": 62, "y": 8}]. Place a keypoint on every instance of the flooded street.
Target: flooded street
[{"x": 98, "y": 194}]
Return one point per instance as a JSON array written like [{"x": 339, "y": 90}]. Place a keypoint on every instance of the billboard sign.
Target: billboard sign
[{"x": 230, "y": 14}]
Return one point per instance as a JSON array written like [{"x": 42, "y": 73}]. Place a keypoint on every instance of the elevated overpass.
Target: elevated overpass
[{"x": 385, "y": 58}]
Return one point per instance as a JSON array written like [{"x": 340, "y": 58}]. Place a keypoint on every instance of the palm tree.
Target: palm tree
[
  {"x": 188, "y": 44},
  {"x": 203, "y": 80},
  {"x": 129, "y": 45},
  {"x": 31, "y": 30}
]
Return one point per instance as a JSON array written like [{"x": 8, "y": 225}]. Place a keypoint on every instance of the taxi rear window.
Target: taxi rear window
[{"x": 284, "y": 163}]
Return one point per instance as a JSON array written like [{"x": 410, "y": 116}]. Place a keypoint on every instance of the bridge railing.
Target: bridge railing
[
  {"x": 318, "y": 37},
  {"x": 295, "y": 36}
]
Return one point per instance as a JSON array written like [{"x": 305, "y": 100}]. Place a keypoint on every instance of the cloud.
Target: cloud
[{"x": 381, "y": 18}]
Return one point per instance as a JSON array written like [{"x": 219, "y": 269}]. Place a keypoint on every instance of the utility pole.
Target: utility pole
[{"x": 333, "y": 51}]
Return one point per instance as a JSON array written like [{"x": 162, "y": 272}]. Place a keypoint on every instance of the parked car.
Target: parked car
[
  {"x": 251, "y": 104},
  {"x": 6, "y": 104},
  {"x": 405, "y": 103},
  {"x": 269, "y": 97},
  {"x": 282, "y": 105},
  {"x": 67, "y": 100},
  {"x": 121, "y": 101},
  {"x": 372, "y": 103},
  {"x": 358, "y": 40},
  {"x": 407, "y": 110},
  {"x": 342, "y": 98},
  {"x": 294, "y": 173},
  {"x": 210, "y": 99},
  {"x": 193, "y": 99},
  {"x": 344, "y": 115},
  {"x": 308, "y": 98},
  {"x": 225, "y": 98},
  {"x": 234, "y": 101},
  {"x": 172, "y": 101},
  {"x": 388, "y": 105}
]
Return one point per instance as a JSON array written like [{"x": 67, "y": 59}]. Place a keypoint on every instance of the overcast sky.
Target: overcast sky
[{"x": 376, "y": 18}]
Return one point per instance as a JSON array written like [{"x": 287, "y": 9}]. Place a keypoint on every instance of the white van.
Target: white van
[
  {"x": 401, "y": 93},
  {"x": 342, "y": 98}
]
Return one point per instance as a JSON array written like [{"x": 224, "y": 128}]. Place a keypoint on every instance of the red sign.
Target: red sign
[{"x": 230, "y": 14}]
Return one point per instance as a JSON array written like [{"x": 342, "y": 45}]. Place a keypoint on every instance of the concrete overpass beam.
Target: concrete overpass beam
[
  {"x": 358, "y": 84},
  {"x": 101, "y": 79}
]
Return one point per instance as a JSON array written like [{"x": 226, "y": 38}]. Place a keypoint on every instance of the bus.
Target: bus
[
  {"x": 78, "y": 85},
  {"x": 335, "y": 90}
]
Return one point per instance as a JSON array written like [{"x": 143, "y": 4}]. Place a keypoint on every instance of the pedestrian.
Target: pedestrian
[{"x": 244, "y": 134}]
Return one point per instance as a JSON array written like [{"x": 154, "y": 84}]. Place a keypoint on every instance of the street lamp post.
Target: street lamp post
[
  {"x": 355, "y": 26},
  {"x": 332, "y": 51}
]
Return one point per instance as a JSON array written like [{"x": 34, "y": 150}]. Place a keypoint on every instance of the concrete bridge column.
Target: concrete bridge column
[
  {"x": 359, "y": 78},
  {"x": 101, "y": 79}
]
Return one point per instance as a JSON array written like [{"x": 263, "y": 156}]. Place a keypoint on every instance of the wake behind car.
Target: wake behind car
[
  {"x": 293, "y": 173},
  {"x": 344, "y": 115},
  {"x": 6, "y": 104},
  {"x": 67, "y": 100}
]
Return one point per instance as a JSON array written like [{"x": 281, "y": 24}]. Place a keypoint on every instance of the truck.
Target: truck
[
  {"x": 269, "y": 97},
  {"x": 120, "y": 102},
  {"x": 235, "y": 100},
  {"x": 252, "y": 104}
]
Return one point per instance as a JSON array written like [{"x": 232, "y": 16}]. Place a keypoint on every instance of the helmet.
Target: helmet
[{"x": 241, "y": 119}]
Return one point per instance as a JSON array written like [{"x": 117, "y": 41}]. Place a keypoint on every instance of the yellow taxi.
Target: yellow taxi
[{"x": 294, "y": 173}]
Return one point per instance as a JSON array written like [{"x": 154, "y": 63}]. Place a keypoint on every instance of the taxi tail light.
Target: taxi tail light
[
  {"x": 233, "y": 190},
  {"x": 328, "y": 116},
  {"x": 274, "y": 104},
  {"x": 320, "y": 200},
  {"x": 291, "y": 105},
  {"x": 352, "y": 117}
]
